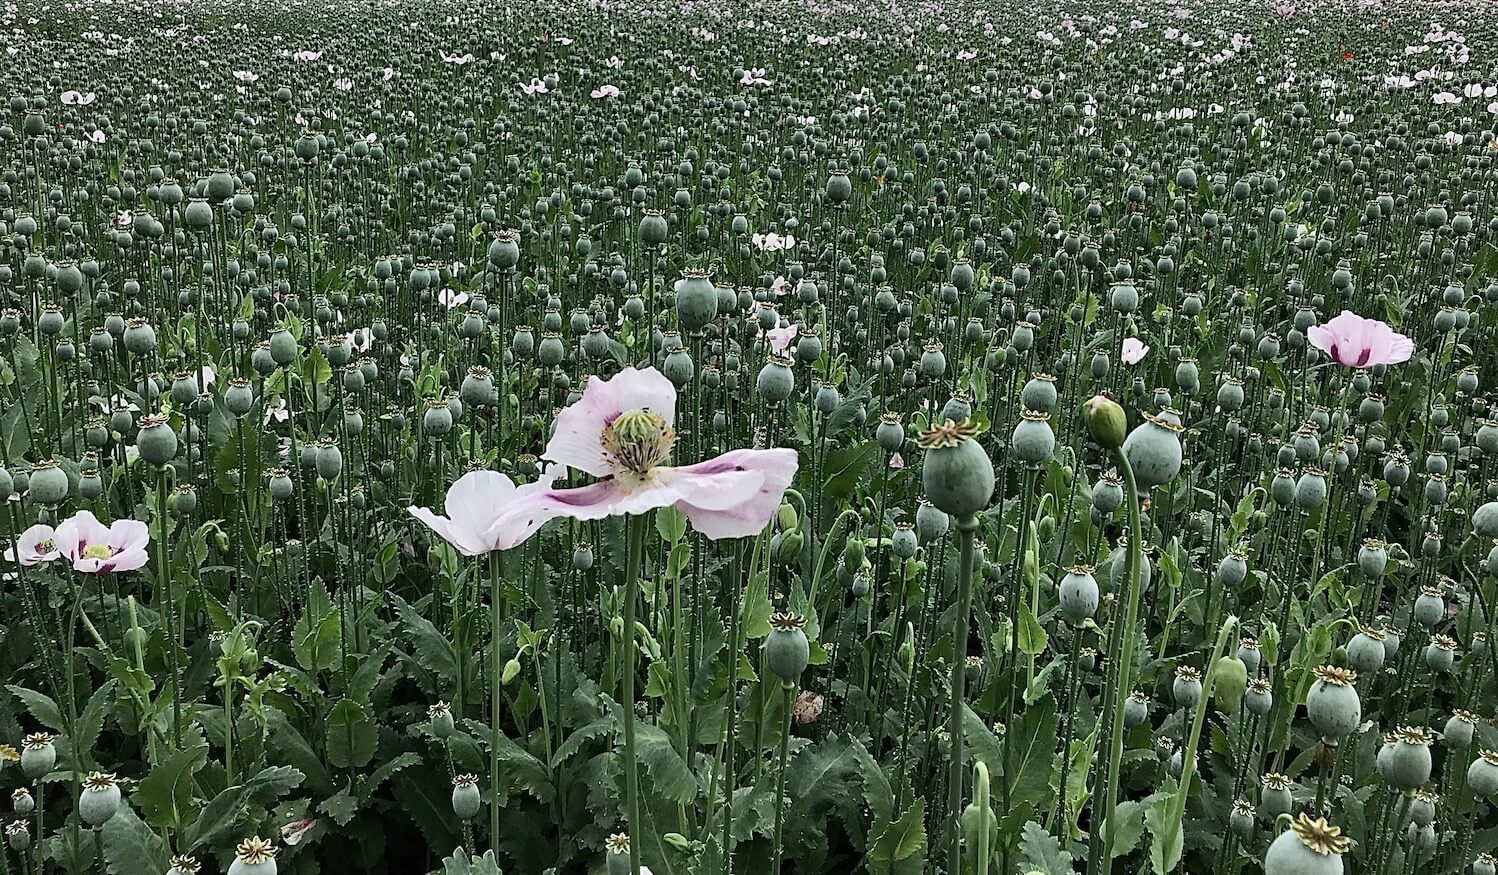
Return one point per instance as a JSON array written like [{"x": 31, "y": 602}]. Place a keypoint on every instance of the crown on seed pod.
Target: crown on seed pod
[
  {"x": 1320, "y": 836},
  {"x": 254, "y": 851}
]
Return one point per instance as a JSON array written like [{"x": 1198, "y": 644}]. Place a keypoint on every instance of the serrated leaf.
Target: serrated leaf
[
  {"x": 462, "y": 864},
  {"x": 40, "y": 705},
  {"x": 340, "y": 807},
  {"x": 435, "y": 650},
  {"x": 876, "y": 788},
  {"x": 130, "y": 847},
  {"x": 1042, "y": 852},
  {"x": 216, "y": 821},
  {"x": 1125, "y": 829},
  {"x": 315, "y": 639},
  {"x": 1167, "y": 841},
  {"x": 387, "y": 770},
  {"x": 350, "y": 734},
  {"x": 1032, "y": 637},
  {"x": 165, "y": 796},
  {"x": 72, "y": 849},
  {"x": 903, "y": 838}
]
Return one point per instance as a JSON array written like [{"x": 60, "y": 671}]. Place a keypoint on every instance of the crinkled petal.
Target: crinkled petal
[
  {"x": 128, "y": 535},
  {"x": 577, "y": 439},
  {"x": 748, "y": 517},
  {"x": 464, "y": 542},
  {"x": 475, "y": 499},
  {"x": 77, "y": 532}
]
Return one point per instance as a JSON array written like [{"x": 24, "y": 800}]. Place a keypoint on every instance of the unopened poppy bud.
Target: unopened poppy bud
[{"x": 1106, "y": 422}]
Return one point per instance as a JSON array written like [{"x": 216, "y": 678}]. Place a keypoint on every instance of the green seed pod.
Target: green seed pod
[
  {"x": 1332, "y": 702},
  {"x": 38, "y": 755},
  {"x": 99, "y": 799},
  {"x": 1365, "y": 651},
  {"x": 1033, "y": 441},
  {"x": 957, "y": 474},
  {"x": 1482, "y": 775},
  {"x": 441, "y": 717},
  {"x": 1308, "y": 847},
  {"x": 465, "y": 796},
  {"x": 1458, "y": 731},
  {"x": 48, "y": 484},
  {"x": 616, "y": 854},
  {"x": 283, "y": 347},
  {"x": 156, "y": 441},
  {"x": 239, "y": 398},
  {"x": 1404, "y": 762},
  {"x": 696, "y": 300},
  {"x": 1136, "y": 709},
  {"x": 1078, "y": 592},
  {"x": 786, "y": 650},
  {"x": 1153, "y": 449}
]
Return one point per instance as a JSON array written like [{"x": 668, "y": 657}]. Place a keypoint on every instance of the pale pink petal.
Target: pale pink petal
[
  {"x": 1323, "y": 339},
  {"x": 778, "y": 468},
  {"x": 474, "y": 500},
  {"x": 77, "y": 532},
  {"x": 36, "y": 544},
  {"x": 1134, "y": 350},
  {"x": 577, "y": 439},
  {"x": 461, "y": 540}
]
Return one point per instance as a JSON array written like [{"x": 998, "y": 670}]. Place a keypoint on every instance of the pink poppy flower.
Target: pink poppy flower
[
  {"x": 94, "y": 548},
  {"x": 36, "y": 544},
  {"x": 896, "y": 462},
  {"x": 477, "y": 504},
  {"x": 306, "y": 55},
  {"x": 1356, "y": 342},
  {"x": 1134, "y": 350},
  {"x": 97, "y": 136},
  {"x": 1285, "y": 9},
  {"x": 460, "y": 60},
  {"x": 535, "y": 86},
  {"x": 614, "y": 62},
  {"x": 621, "y": 432},
  {"x": 605, "y": 91},
  {"x": 780, "y": 338}
]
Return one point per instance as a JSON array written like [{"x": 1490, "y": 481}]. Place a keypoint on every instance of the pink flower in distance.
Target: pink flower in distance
[
  {"x": 781, "y": 338},
  {"x": 477, "y": 506},
  {"x": 36, "y": 544},
  {"x": 94, "y": 548},
  {"x": 1134, "y": 350},
  {"x": 621, "y": 432},
  {"x": 1285, "y": 9},
  {"x": 605, "y": 91},
  {"x": 1360, "y": 343}
]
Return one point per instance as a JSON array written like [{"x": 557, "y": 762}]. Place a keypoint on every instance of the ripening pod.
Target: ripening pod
[
  {"x": 787, "y": 651},
  {"x": 931, "y": 522},
  {"x": 956, "y": 472},
  {"x": 1233, "y": 569},
  {"x": 99, "y": 799},
  {"x": 465, "y": 796},
  {"x": 1365, "y": 652},
  {"x": 1186, "y": 689},
  {"x": 1440, "y": 654},
  {"x": 776, "y": 381},
  {"x": 1033, "y": 441},
  {"x": 283, "y": 347},
  {"x": 1308, "y": 847},
  {"x": 616, "y": 854},
  {"x": 696, "y": 298},
  {"x": 1373, "y": 557},
  {"x": 48, "y": 484},
  {"x": 1275, "y": 796},
  {"x": 1241, "y": 820},
  {"x": 1107, "y": 493},
  {"x": 1332, "y": 702},
  {"x": 1153, "y": 449},
  {"x": 1404, "y": 761},
  {"x": 1039, "y": 394},
  {"x": 890, "y": 434},
  {"x": 1485, "y": 864},
  {"x": 1078, "y": 592},
  {"x": 1459, "y": 728},
  {"x": 1136, "y": 709},
  {"x": 254, "y": 856},
  {"x": 18, "y": 835},
  {"x": 440, "y": 716},
  {"x": 1259, "y": 697}
]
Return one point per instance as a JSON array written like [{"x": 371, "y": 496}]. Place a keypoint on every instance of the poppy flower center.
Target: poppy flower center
[
  {"x": 639, "y": 440},
  {"x": 97, "y": 551},
  {"x": 46, "y": 545}
]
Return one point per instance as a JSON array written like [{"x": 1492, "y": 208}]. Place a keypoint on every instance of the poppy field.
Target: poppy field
[{"x": 793, "y": 437}]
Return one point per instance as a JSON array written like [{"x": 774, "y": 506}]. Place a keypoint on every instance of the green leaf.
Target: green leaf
[
  {"x": 386, "y": 770},
  {"x": 436, "y": 651},
  {"x": 1041, "y": 852},
  {"x": 91, "y": 721},
  {"x": 130, "y": 847},
  {"x": 903, "y": 838},
  {"x": 315, "y": 640},
  {"x": 668, "y": 772},
  {"x": 166, "y": 794},
  {"x": 462, "y": 864},
  {"x": 41, "y": 706},
  {"x": 1126, "y": 828},
  {"x": 671, "y": 524},
  {"x": 218, "y": 818},
  {"x": 1032, "y": 637},
  {"x": 516, "y": 763},
  {"x": 876, "y": 788},
  {"x": 340, "y": 807},
  {"x": 286, "y": 740},
  {"x": 1167, "y": 840},
  {"x": 72, "y": 849},
  {"x": 351, "y": 735}
]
